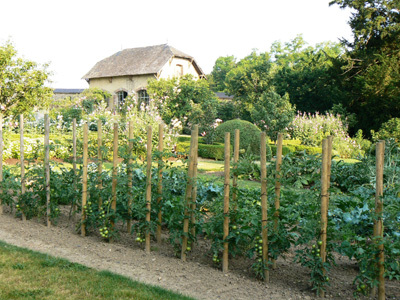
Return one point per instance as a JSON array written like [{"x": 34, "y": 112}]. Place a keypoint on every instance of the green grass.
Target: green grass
[{"x": 25, "y": 274}]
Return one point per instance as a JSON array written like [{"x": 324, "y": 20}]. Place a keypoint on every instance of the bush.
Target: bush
[
  {"x": 249, "y": 134},
  {"x": 215, "y": 151},
  {"x": 389, "y": 129}
]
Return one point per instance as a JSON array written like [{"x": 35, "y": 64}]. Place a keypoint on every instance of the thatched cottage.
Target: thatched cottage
[{"x": 129, "y": 70}]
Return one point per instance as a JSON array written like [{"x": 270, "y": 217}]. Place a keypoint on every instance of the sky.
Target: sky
[{"x": 72, "y": 36}]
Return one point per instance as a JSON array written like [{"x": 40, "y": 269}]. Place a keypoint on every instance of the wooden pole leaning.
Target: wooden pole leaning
[
  {"x": 1, "y": 162},
  {"x": 277, "y": 184},
  {"x": 47, "y": 166},
  {"x": 227, "y": 160},
  {"x": 324, "y": 201},
  {"x": 236, "y": 144},
  {"x": 84, "y": 178},
  {"x": 378, "y": 223},
  {"x": 114, "y": 176},
  {"x": 159, "y": 183},
  {"x": 148, "y": 188},
  {"x": 188, "y": 197},
  {"x": 194, "y": 180},
  {"x": 75, "y": 183},
  {"x": 129, "y": 173},
  {"x": 21, "y": 134},
  {"x": 264, "y": 204},
  {"x": 100, "y": 159}
]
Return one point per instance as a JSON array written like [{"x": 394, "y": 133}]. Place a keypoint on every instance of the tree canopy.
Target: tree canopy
[
  {"x": 372, "y": 73},
  {"x": 21, "y": 83}
]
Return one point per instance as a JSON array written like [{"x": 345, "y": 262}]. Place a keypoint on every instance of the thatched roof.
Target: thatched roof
[{"x": 138, "y": 61}]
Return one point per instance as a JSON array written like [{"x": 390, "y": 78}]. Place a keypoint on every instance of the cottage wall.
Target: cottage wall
[{"x": 126, "y": 83}]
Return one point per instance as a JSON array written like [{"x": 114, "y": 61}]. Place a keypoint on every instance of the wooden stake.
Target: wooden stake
[
  {"x": 47, "y": 166},
  {"x": 21, "y": 134},
  {"x": 277, "y": 185},
  {"x": 378, "y": 223},
  {"x": 129, "y": 171},
  {"x": 235, "y": 161},
  {"x": 100, "y": 158},
  {"x": 264, "y": 203},
  {"x": 114, "y": 175},
  {"x": 148, "y": 188},
  {"x": 194, "y": 187},
  {"x": 84, "y": 178},
  {"x": 1, "y": 162},
  {"x": 324, "y": 202},
  {"x": 227, "y": 159},
  {"x": 75, "y": 183},
  {"x": 188, "y": 197},
  {"x": 159, "y": 183}
]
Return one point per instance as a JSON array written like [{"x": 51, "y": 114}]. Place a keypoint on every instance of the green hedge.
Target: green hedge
[{"x": 215, "y": 151}]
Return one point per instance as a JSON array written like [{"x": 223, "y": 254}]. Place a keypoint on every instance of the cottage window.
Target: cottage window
[
  {"x": 143, "y": 97},
  {"x": 121, "y": 98}
]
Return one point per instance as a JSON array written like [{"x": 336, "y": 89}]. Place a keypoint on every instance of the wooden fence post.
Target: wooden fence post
[
  {"x": 114, "y": 177},
  {"x": 227, "y": 159},
  {"x": 21, "y": 134},
  {"x": 264, "y": 204},
  {"x": 75, "y": 183},
  {"x": 100, "y": 158},
  {"x": 324, "y": 201},
  {"x": 47, "y": 166},
  {"x": 194, "y": 186},
  {"x": 235, "y": 161},
  {"x": 148, "y": 188},
  {"x": 159, "y": 183},
  {"x": 277, "y": 184},
  {"x": 1, "y": 162},
  {"x": 84, "y": 178},
  {"x": 378, "y": 223},
  {"x": 129, "y": 173}
]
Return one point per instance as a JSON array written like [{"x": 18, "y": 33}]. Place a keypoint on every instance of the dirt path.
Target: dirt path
[{"x": 196, "y": 278}]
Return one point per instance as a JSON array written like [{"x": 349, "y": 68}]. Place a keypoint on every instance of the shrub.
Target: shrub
[
  {"x": 249, "y": 134},
  {"x": 212, "y": 151},
  {"x": 389, "y": 129}
]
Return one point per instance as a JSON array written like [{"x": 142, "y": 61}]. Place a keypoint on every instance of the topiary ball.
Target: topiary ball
[{"x": 249, "y": 134}]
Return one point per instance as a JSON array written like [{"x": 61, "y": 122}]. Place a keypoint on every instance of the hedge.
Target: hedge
[{"x": 215, "y": 151}]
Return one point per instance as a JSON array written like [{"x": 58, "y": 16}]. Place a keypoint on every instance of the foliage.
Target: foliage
[
  {"x": 188, "y": 100},
  {"x": 372, "y": 61},
  {"x": 311, "y": 129},
  {"x": 249, "y": 134},
  {"x": 308, "y": 74},
  {"x": 221, "y": 68},
  {"x": 22, "y": 83},
  {"x": 251, "y": 77},
  {"x": 273, "y": 113},
  {"x": 389, "y": 129}
]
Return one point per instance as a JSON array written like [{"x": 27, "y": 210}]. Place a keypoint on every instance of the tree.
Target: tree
[
  {"x": 273, "y": 113},
  {"x": 21, "y": 83},
  {"x": 372, "y": 73},
  {"x": 311, "y": 75},
  {"x": 188, "y": 100},
  {"x": 221, "y": 68},
  {"x": 251, "y": 77}
]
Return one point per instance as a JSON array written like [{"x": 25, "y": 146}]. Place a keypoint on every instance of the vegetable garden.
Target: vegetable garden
[{"x": 319, "y": 207}]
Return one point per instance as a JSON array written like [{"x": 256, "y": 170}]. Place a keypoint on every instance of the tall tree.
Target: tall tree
[
  {"x": 21, "y": 83},
  {"x": 251, "y": 77},
  {"x": 309, "y": 74},
  {"x": 373, "y": 61},
  {"x": 221, "y": 68}
]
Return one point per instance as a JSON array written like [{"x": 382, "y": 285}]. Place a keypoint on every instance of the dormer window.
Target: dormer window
[{"x": 178, "y": 70}]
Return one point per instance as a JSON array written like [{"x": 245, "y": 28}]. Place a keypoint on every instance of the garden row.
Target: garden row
[{"x": 263, "y": 223}]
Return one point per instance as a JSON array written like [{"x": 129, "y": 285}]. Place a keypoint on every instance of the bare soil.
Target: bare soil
[{"x": 197, "y": 277}]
